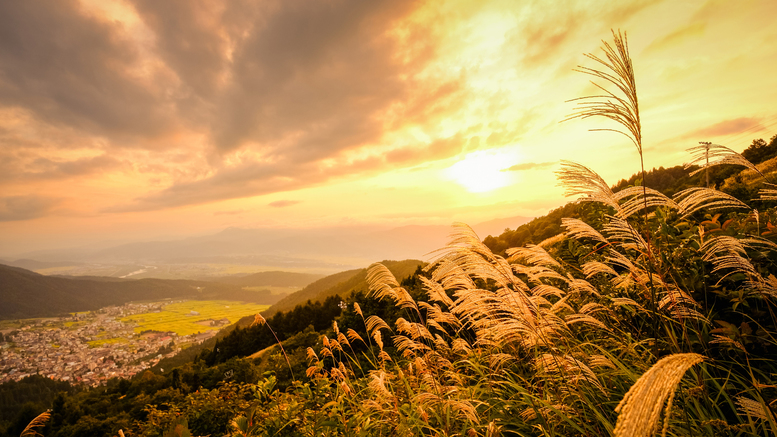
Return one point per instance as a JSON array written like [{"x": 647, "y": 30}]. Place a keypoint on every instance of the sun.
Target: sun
[{"x": 481, "y": 171}]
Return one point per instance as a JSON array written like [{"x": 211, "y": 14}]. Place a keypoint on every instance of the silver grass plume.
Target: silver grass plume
[
  {"x": 753, "y": 408},
  {"x": 720, "y": 155},
  {"x": 31, "y": 430},
  {"x": 579, "y": 229},
  {"x": 579, "y": 180},
  {"x": 768, "y": 193},
  {"x": 697, "y": 198},
  {"x": 624, "y": 108},
  {"x": 640, "y": 409}
]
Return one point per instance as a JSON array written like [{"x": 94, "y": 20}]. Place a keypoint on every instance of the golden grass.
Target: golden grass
[{"x": 640, "y": 409}]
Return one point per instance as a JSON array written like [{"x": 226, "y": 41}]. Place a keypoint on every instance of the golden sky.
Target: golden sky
[{"x": 142, "y": 119}]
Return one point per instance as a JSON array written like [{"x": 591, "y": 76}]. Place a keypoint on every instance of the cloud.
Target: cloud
[
  {"x": 677, "y": 37},
  {"x": 257, "y": 97},
  {"x": 283, "y": 203},
  {"x": 530, "y": 166},
  {"x": 726, "y": 127},
  {"x": 311, "y": 79},
  {"x": 553, "y": 27},
  {"x": 71, "y": 69},
  {"x": 25, "y": 207},
  {"x": 17, "y": 166}
]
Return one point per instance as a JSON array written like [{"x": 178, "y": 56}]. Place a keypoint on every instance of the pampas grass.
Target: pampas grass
[
  {"x": 641, "y": 407},
  {"x": 31, "y": 430}
]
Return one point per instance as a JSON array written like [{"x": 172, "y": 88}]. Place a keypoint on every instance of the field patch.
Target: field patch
[
  {"x": 184, "y": 318},
  {"x": 98, "y": 343}
]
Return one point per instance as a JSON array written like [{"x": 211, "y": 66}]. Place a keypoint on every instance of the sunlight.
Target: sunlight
[{"x": 480, "y": 172}]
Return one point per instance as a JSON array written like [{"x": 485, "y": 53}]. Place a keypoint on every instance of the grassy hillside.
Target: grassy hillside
[{"x": 339, "y": 284}]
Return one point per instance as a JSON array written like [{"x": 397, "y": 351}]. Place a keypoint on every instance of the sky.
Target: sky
[{"x": 124, "y": 120}]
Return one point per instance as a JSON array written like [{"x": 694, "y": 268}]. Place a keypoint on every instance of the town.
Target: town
[{"x": 91, "y": 348}]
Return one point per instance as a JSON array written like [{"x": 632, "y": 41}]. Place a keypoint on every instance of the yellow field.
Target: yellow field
[
  {"x": 96, "y": 343},
  {"x": 176, "y": 317}
]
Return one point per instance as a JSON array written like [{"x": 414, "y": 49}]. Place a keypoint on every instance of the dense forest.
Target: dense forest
[{"x": 641, "y": 308}]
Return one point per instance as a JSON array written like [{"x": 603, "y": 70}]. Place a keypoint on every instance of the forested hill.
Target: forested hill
[
  {"x": 26, "y": 294},
  {"x": 730, "y": 179}
]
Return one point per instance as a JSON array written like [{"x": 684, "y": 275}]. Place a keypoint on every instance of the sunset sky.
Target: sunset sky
[{"x": 146, "y": 119}]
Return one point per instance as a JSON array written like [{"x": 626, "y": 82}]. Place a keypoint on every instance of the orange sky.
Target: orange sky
[{"x": 141, "y": 119}]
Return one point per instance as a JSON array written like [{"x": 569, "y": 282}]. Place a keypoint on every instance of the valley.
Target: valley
[{"x": 113, "y": 342}]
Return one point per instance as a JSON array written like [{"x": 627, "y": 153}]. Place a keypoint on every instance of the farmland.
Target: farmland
[{"x": 192, "y": 316}]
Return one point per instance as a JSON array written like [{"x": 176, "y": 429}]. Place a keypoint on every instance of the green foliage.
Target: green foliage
[
  {"x": 760, "y": 151},
  {"x": 21, "y": 401}
]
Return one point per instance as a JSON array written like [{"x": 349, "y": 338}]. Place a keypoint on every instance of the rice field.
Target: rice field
[
  {"x": 191, "y": 317},
  {"x": 98, "y": 343}
]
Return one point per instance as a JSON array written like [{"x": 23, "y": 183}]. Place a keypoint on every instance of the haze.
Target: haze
[{"x": 126, "y": 121}]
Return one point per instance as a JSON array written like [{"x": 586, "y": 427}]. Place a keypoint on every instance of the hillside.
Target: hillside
[
  {"x": 340, "y": 284},
  {"x": 25, "y": 294}
]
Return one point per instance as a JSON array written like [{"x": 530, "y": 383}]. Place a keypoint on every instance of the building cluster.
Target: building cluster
[{"x": 88, "y": 348}]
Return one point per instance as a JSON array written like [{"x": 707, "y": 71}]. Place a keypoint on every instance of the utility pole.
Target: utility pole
[{"x": 707, "y": 145}]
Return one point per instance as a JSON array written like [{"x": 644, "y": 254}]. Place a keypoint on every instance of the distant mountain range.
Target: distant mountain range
[
  {"x": 322, "y": 249},
  {"x": 26, "y": 294}
]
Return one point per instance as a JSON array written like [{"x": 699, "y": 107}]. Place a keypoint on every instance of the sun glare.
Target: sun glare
[{"x": 480, "y": 172}]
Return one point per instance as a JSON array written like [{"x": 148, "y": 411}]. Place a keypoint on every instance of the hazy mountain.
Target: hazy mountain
[
  {"x": 25, "y": 294},
  {"x": 323, "y": 249},
  {"x": 31, "y": 264}
]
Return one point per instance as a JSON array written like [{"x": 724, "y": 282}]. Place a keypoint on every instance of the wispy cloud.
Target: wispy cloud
[
  {"x": 677, "y": 37},
  {"x": 283, "y": 203},
  {"x": 530, "y": 166},
  {"x": 726, "y": 127}
]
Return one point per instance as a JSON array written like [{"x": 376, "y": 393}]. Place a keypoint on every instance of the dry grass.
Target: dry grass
[{"x": 640, "y": 409}]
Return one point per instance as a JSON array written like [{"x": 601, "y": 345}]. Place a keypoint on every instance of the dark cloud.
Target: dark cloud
[
  {"x": 22, "y": 166},
  {"x": 190, "y": 38},
  {"x": 283, "y": 203},
  {"x": 293, "y": 81},
  {"x": 529, "y": 166},
  {"x": 726, "y": 127},
  {"x": 71, "y": 69},
  {"x": 313, "y": 76},
  {"x": 25, "y": 207}
]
